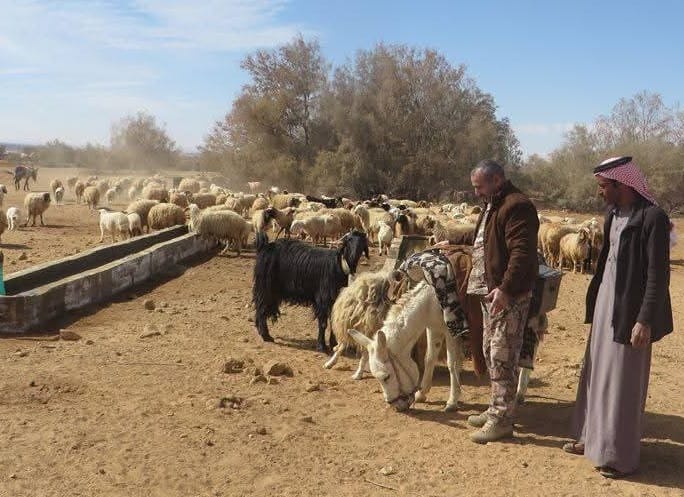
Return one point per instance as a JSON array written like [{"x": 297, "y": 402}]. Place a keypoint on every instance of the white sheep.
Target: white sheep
[
  {"x": 59, "y": 194},
  {"x": 142, "y": 208},
  {"x": 110, "y": 195},
  {"x": 203, "y": 200},
  {"x": 385, "y": 236},
  {"x": 313, "y": 226},
  {"x": 260, "y": 203},
  {"x": 134, "y": 224},
  {"x": 115, "y": 223},
  {"x": 362, "y": 212},
  {"x": 575, "y": 248},
  {"x": 189, "y": 185},
  {"x": 102, "y": 186},
  {"x": 133, "y": 193},
  {"x": 283, "y": 217},
  {"x": 91, "y": 195},
  {"x": 54, "y": 184},
  {"x": 165, "y": 216},
  {"x": 36, "y": 204},
  {"x": 71, "y": 182},
  {"x": 13, "y": 217},
  {"x": 155, "y": 192},
  {"x": 224, "y": 226},
  {"x": 79, "y": 188},
  {"x": 332, "y": 227}
]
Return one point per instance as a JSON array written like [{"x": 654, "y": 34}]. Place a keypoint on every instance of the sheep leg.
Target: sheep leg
[
  {"x": 41, "y": 219},
  {"x": 434, "y": 344},
  {"x": 363, "y": 365},
  {"x": 338, "y": 351},
  {"x": 322, "y": 325},
  {"x": 523, "y": 382},
  {"x": 454, "y": 362}
]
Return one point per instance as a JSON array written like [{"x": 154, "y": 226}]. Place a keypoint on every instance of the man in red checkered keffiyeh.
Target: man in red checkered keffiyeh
[
  {"x": 625, "y": 171},
  {"x": 629, "y": 308}
]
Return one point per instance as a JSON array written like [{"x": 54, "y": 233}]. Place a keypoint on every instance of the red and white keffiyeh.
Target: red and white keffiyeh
[{"x": 627, "y": 174}]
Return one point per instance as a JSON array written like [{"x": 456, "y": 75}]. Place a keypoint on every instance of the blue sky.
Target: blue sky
[{"x": 69, "y": 69}]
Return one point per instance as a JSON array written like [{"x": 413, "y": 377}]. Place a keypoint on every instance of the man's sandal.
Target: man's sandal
[
  {"x": 608, "y": 472},
  {"x": 576, "y": 448}
]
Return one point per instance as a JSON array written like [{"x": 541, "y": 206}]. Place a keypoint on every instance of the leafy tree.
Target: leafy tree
[{"x": 139, "y": 142}]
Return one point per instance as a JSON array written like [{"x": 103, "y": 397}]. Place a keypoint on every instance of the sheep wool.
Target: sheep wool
[
  {"x": 164, "y": 216},
  {"x": 36, "y": 204},
  {"x": 91, "y": 195},
  {"x": 114, "y": 223}
]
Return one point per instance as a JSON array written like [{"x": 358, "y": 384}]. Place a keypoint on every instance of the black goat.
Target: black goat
[
  {"x": 330, "y": 203},
  {"x": 297, "y": 273}
]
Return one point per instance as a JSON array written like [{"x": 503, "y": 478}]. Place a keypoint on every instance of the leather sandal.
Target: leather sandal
[{"x": 576, "y": 448}]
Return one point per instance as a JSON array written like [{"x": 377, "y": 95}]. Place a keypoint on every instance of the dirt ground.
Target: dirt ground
[{"x": 116, "y": 414}]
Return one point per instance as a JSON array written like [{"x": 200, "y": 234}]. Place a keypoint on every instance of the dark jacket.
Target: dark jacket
[
  {"x": 510, "y": 242},
  {"x": 642, "y": 283}
]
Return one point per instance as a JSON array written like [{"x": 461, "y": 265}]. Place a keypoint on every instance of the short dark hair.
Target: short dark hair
[{"x": 490, "y": 168}]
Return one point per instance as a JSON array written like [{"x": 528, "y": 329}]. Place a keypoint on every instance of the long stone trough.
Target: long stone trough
[{"x": 41, "y": 293}]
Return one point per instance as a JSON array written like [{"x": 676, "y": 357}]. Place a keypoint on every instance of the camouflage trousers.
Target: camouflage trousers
[{"x": 501, "y": 343}]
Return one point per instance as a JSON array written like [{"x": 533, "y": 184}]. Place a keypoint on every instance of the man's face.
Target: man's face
[
  {"x": 485, "y": 187},
  {"x": 608, "y": 190}
]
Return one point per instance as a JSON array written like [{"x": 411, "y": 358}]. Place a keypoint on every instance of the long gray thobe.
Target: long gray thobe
[{"x": 612, "y": 390}]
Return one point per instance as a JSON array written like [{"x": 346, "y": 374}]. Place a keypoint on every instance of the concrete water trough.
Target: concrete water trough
[{"x": 41, "y": 293}]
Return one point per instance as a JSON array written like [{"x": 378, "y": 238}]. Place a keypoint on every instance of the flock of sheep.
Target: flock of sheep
[{"x": 230, "y": 217}]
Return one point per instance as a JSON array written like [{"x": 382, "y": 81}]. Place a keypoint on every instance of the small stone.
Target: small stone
[
  {"x": 261, "y": 431},
  {"x": 164, "y": 304},
  {"x": 101, "y": 471},
  {"x": 524, "y": 465},
  {"x": 313, "y": 387},
  {"x": 149, "y": 304},
  {"x": 69, "y": 335},
  {"x": 89, "y": 342},
  {"x": 150, "y": 330},
  {"x": 273, "y": 381},
  {"x": 273, "y": 368},
  {"x": 244, "y": 340},
  {"x": 307, "y": 419},
  {"x": 233, "y": 365},
  {"x": 32, "y": 384},
  {"x": 159, "y": 310},
  {"x": 225, "y": 318},
  {"x": 260, "y": 378},
  {"x": 210, "y": 443},
  {"x": 250, "y": 319},
  {"x": 13, "y": 476},
  {"x": 387, "y": 470},
  {"x": 23, "y": 256},
  {"x": 21, "y": 353}
]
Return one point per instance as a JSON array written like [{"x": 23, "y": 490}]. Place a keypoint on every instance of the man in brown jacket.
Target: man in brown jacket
[{"x": 505, "y": 268}]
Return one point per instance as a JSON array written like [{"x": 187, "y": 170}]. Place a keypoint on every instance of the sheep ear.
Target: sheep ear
[{"x": 359, "y": 338}]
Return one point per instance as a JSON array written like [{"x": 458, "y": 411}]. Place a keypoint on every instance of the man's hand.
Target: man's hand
[
  {"x": 641, "y": 336},
  {"x": 499, "y": 301}
]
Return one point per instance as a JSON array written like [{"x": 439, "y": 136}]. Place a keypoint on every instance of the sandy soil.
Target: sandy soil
[{"x": 115, "y": 414}]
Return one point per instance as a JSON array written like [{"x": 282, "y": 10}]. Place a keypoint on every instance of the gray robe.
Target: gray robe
[{"x": 611, "y": 395}]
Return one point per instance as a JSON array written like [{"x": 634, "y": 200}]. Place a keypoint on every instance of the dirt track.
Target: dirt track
[{"x": 117, "y": 414}]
